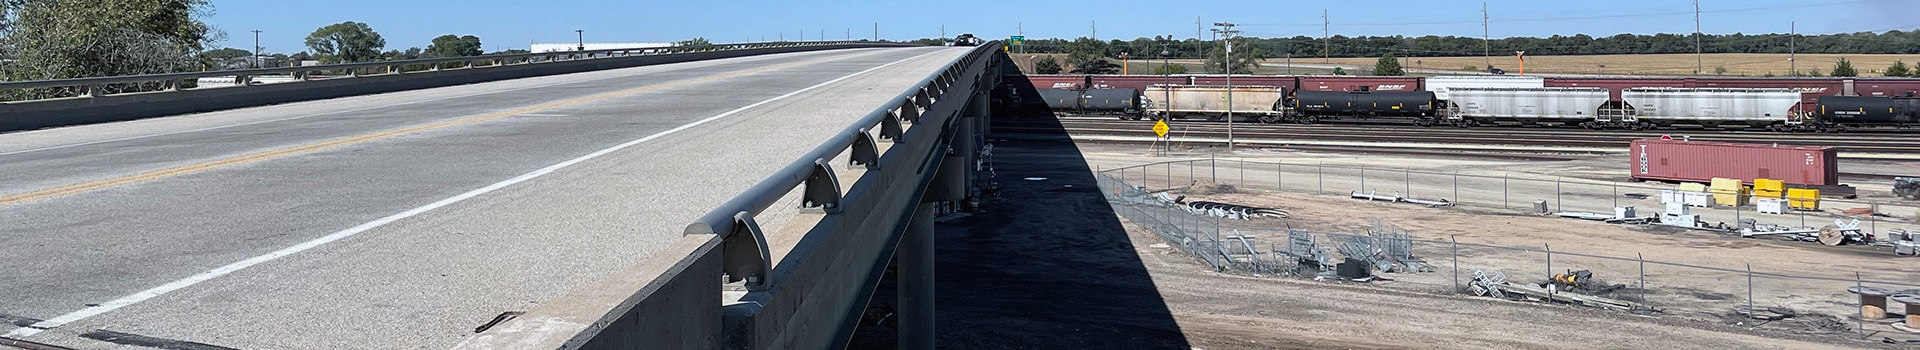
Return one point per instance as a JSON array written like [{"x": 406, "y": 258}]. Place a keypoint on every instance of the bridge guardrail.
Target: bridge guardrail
[
  {"x": 93, "y": 86},
  {"x": 815, "y": 296},
  {"x": 162, "y": 95}
]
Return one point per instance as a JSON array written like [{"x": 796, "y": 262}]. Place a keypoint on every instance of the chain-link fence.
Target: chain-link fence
[{"x": 1226, "y": 240}]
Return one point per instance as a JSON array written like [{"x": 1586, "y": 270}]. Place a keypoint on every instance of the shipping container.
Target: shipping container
[
  {"x": 1347, "y": 83},
  {"x": 1211, "y": 101},
  {"x": 1526, "y": 104},
  {"x": 1712, "y": 107},
  {"x": 1699, "y": 161},
  {"x": 1440, "y": 85}
]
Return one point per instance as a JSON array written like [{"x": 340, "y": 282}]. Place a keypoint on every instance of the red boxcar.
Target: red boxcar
[
  {"x": 1288, "y": 82},
  {"x": 1057, "y": 81},
  {"x": 1886, "y": 87},
  {"x": 1699, "y": 161},
  {"x": 1346, "y": 83}
]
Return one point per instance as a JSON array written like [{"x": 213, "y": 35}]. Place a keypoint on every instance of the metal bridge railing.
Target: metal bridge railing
[
  {"x": 918, "y": 148},
  {"x": 98, "y": 86}
]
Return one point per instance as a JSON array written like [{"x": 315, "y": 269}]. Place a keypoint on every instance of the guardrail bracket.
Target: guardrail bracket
[
  {"x": 823, "y": 189},
  {"x": 743, "y": 253},
  {"x": 866, "y": 152}
]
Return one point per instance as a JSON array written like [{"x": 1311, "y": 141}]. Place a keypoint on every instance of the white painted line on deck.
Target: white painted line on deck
[{"x": 51, "y": 323}]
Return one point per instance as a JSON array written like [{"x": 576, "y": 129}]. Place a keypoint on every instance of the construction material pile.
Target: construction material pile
[{"x": 1496, "y": 286}]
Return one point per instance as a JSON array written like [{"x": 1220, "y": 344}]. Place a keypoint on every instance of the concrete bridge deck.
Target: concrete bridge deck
[{"x": 399, "y": 220}]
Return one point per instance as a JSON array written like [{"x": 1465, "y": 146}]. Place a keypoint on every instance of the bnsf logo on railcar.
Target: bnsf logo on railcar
[{"x": 1391, "y": 87}]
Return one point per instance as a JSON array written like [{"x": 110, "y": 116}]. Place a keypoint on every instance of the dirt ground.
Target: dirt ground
[{"x": 1048, "y": 264}]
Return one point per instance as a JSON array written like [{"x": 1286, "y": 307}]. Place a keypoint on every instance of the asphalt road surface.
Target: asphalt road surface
[{"x": 400, "y": 220}]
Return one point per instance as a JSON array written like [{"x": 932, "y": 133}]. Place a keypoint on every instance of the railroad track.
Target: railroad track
[{"x": 1880, "y": 141}]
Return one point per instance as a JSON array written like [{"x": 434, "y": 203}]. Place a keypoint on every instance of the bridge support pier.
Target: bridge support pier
[{"x": 915, "y": 281}]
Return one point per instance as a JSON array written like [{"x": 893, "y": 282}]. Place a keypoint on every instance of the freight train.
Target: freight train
[{"x": 1594, "y": 103}]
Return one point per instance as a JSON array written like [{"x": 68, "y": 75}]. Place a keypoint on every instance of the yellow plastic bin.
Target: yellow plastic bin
[
  {"x": 1728, "y": 192},
  {"x": 1769, "y": 189},
  {"x": 1803, "y": 198}
]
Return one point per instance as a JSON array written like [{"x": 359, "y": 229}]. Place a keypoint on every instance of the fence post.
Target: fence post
[
  {"x": 1616, "y": 194},
  {"x": 1557, "y": 203},
  {"x": 1280, "y": 175},
  {"x": 1213, "y": 168},
  {"x": 1860, "y": 304},
  {"x": 1504, "y": 178},
  {"x": 1243, "y": 172},
  {"x": 1750, "y": 289},
  {"x": 1407, "y": 177},
  {"x": 1456, "y": 187},
  {"x": 1643, "y": 278},
  {"x": 1321, "y": 172},
  {"x": 1456, "y": 262},
  {"x": 1549, "y": 272},
  {"x": 1190, "y": 171}
]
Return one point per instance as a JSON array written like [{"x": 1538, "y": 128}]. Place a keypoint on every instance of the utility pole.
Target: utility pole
[
  {"x": 1326, "y": 35},
  {"x": 1096, "y": 29},
  {"x": 1197, "y": 48},
  {"x": 1486, "y": 36},
  {"x": 582, "y": 33},
  {"x": 1793, "y": 30},
  {"x": 1226, "y": 32},
  {"x": 943, "y": 31},
  {"x": 256, "y": 49},
  {"x": 876, "y": 31},
  {"x": 849, "y": 34},
  {"x": 1698, "y": 61},
  {"x": 1020, "y": 28}
]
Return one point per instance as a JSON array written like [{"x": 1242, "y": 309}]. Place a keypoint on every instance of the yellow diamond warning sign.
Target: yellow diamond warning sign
[{"x": 1160, "y": 128}]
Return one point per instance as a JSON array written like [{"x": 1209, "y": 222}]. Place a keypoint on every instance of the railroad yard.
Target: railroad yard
[
  {"x": 1695, "y": 279},
  {"x": 1499, "y": 211}
]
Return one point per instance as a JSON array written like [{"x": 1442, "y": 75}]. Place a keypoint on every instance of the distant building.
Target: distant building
[{"x": 564, "y": 47}]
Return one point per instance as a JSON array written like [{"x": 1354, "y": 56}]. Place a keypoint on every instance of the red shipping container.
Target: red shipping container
[{"x": 1699, "y": 161}]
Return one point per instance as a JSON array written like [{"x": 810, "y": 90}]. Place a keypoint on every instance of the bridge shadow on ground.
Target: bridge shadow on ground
[{"x": 1044, "y": 264}]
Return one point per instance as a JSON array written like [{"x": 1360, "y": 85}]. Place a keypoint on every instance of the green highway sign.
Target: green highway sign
[{"x": 1018, "y": 40}]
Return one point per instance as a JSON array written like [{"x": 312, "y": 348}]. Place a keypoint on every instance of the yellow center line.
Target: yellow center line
[{"x": 308, "y": 148}]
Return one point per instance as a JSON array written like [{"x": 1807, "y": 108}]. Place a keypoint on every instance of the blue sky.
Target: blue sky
[{"x": 516, "y": 23}]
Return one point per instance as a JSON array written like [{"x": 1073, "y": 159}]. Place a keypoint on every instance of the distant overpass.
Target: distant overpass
[{"x": 409, "y": 219}]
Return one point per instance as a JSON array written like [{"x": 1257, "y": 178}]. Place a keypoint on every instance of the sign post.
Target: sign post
[{"x": 1160, "y": 128}]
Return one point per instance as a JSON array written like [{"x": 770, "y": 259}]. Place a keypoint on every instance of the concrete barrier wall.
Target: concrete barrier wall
[
  {"x": 621, "y": 311},
  {"x": 119, "y": 107}
]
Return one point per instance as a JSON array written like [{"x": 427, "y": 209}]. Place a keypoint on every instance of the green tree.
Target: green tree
[
  {"x": 59, "y": 39},
  {"x": 1719, "y": 70},
  {"x": 1769, "y": 75},
  {"x": 1246, "y": 57},
  {"x": 346, "y": 42},
  {"x": 1087, "y": 55},
  {"x": 454, "y": 46},
  {"x": 1844, "y": 69},
  {"x": 1047, "y": 65},
  {"x": 701, "y": 41},
  {"x": 1339, "y": 71},
  {"x": 1898, "y": 69},
  {"x": 225, "y": 54},
  {"x": 1170, "y": 69},
  {"x": 1388, "y": 66}
]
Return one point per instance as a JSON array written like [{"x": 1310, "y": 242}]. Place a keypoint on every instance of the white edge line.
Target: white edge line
[
  {"x": 91, "y": 311},
  {"x": 413, "y": 102}
]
